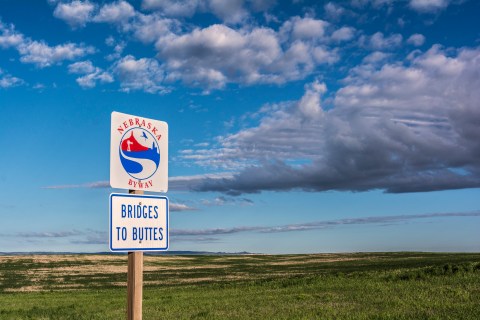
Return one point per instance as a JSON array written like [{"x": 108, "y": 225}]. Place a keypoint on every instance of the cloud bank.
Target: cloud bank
[
  {"x": 400, "y": 128},
  {"x": 316, "y": 225},
  {"x": 90, "y": 236}
]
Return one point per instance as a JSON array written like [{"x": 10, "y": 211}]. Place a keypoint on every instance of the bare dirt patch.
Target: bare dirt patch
[
  {"x": 166, "y": 258},
  {"x": 25, "y": 289},
  {"x": 310, "y": 261}
]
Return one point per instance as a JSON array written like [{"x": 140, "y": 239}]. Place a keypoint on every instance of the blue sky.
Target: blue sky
[{"x": 295, "y": 127}]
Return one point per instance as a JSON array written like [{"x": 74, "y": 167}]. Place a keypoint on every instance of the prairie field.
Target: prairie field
[{"x": 314, "y": 286}]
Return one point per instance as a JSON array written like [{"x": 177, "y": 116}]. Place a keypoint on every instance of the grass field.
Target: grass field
[{"x": 321, "y": 286}]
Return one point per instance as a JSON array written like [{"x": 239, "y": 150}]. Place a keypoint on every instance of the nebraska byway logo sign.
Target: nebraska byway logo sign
[{"x": 138, "y": 153}]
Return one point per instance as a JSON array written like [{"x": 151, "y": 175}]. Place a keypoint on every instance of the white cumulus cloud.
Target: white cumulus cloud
[
  {"x": 90, "y": 74},
  {"x": 428, "y": 5},
  {"x": 343, "y": 34},
  {"x": 181, "y": 8},
  {"x": 43, "y": 55},
  {"x": 416, "y": 39},
  {"x": 9, "y": 37},
  {"x": 214, "y": 56},
  {"x": 333, "y": 10},
  {"x": 231, "y": 11},
  {"x": 309, "y": 104},
  {"x": 140, "y": 74},
  {"x": 116, "y": 12},
  {"x": 75, "y": 13},
  {"x": 9, "y": 81},
  {"x": 378, "y": 41},
  {"x": 153, "y": 27},
  {"x": 177, "y": 207},
  {"x": 39, "y": 52},
  {"x": 305, "y": 28},
  {"x": 81, "y": 67}
]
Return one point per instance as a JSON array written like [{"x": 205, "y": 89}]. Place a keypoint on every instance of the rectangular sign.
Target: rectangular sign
[
  {"x": 138, "y": 153},
  {"x": 138, "y": 222}
]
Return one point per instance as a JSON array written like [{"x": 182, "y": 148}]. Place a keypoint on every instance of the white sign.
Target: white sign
[
  {"x": 138, "y": 153},
  {"x": 138, "y": 222}
]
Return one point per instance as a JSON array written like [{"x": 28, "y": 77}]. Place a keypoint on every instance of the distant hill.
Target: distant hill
[{"x": 176, "y": 253}]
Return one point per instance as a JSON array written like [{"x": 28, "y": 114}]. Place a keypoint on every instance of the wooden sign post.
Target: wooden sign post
[
  {"x": 135, "y": 281},
  {"x": 135, "y": 285}
]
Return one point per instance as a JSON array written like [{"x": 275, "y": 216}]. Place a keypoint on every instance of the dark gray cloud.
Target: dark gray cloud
[{"x": 278, "y": 176}]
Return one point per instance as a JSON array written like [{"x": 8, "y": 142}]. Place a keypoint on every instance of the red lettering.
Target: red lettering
[
  {"x": 149, "y": 125},
  {"x": 143, "y": 123},
  {"x": 137, "y": 121},
  {"x": 125, "y": 124},
  {"x": 154, "y": 131},
  {"x": 158, "y": 137},
  {"x": 132, "y": 182},
  {"x": 120, "y": 129},
  {"x": 131, "y": 122}
]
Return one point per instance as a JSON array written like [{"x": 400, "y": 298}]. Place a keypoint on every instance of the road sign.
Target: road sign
[
  {"x": 138, "y": 153},
  {"x": 138, "y": 222}
]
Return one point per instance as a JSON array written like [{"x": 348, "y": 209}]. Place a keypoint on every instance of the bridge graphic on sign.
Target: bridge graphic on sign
[{"x": 139, "y": 160}]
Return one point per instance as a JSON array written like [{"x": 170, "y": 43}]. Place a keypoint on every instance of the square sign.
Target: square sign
[
  {"x": 138, "y": 153},
  {"x": 138, "y": 222}
]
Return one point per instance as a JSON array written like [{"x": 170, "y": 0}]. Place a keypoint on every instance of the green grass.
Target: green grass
[{"x": 369, "y": 286}]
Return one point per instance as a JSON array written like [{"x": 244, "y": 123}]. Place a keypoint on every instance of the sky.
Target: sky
[{"x": 294, "y": 127}]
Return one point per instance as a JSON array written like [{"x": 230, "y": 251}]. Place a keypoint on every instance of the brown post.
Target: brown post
[{"x": 135, "y": 281}]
